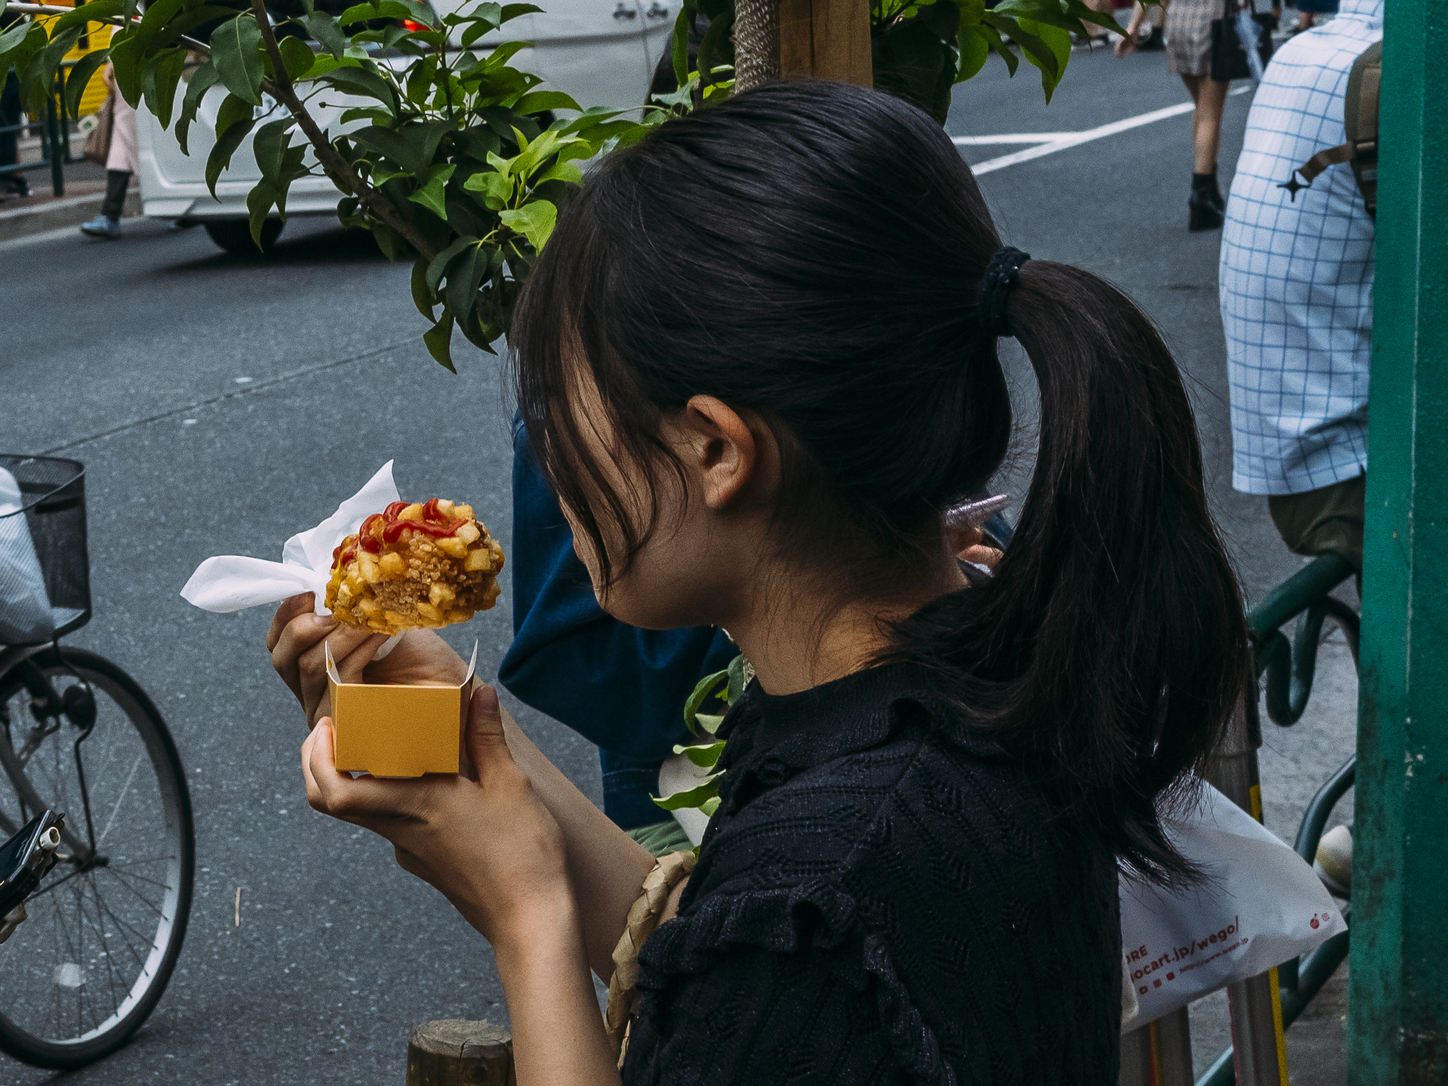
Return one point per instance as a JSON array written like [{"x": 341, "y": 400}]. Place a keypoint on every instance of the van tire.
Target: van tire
[{"x": 234, "y": 235}]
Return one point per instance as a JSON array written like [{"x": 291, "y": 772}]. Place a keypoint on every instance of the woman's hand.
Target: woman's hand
[
  {"x": 296, "y": 643},
  {"x": 1126, "y": 43},
  {"x": 488, "y": 844}
]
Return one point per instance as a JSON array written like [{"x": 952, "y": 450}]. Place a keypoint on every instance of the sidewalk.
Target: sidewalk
[{"x": 85, "y": 188}]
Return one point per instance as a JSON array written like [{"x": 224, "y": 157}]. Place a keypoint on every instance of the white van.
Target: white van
[{"x": 602, "y": 52}]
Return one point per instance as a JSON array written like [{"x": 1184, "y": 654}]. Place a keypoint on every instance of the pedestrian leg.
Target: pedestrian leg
[{"x": 1206, "y": 205}]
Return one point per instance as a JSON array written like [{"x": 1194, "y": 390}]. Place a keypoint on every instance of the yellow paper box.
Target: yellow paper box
[{"x": 397, "y": 731}]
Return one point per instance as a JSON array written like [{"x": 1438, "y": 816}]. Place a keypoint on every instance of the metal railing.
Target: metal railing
[{"x": 54, "y": 128}]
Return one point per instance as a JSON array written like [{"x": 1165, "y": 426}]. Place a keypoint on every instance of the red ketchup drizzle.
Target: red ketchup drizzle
[{"x": 433, "y": 523}]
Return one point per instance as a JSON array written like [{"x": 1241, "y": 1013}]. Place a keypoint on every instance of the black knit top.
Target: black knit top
[{"x": 882, "y": 897}]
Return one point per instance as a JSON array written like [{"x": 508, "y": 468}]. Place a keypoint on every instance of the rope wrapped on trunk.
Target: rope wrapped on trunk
[{"x": 756, "y": 43}]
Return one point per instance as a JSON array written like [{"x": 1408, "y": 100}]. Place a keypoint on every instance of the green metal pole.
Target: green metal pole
[{"x": 1398, "y": 996}]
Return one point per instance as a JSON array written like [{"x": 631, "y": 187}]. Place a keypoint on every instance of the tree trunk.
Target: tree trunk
[
  {"x": 826, "y": 39},
  {"x": 454, "y": 1052}
]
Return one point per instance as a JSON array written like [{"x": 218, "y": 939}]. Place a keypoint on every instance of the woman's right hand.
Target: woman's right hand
[{"x": 297, "y": 641}]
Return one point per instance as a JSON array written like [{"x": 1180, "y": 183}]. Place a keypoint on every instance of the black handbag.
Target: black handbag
[{"x": 1229, "y": 57}]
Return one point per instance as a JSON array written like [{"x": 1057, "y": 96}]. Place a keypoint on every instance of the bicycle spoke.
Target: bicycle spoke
[
  {"x": 154, "y": 907},
  {"x": 121, "y": 798},
  {"x": 105, "y": 947},
  {"x": 147, "y": 941},
  {"x": 118, "y": 868}
]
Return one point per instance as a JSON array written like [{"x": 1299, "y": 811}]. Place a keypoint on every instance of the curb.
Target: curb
[{"x": 20, "y": 222}]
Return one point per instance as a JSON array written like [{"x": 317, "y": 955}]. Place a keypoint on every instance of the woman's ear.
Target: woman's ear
[{"x": 723, "y": 450}]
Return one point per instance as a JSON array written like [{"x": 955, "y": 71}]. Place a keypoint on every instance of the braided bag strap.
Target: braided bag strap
[{"x": 643, "y": 918}]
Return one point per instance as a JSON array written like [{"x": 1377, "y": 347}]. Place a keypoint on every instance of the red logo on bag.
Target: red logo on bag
[
  {"x": 1171, "y": 976},
  {"x": 1156, "y": 984},
  {"x": 1314, "y": 921}
]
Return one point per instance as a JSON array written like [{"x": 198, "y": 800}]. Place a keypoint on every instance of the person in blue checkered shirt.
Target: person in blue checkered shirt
[{"x": 1296, "y": 282}]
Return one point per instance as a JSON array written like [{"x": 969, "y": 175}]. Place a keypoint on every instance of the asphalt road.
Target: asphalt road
[{"x": 221, "y": 404}]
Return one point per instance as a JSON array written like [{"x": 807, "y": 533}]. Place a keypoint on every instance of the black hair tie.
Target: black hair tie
[{"x": 1002, "y": 273}]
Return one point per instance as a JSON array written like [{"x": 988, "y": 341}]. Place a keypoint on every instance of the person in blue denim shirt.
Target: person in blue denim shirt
[{"x": 621, "y": 687}]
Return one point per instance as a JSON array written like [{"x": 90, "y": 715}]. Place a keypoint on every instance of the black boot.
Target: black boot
[{"x": 1206, "y": 212}]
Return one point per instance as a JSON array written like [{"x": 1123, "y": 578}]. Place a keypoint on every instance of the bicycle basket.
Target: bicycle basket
[{"x": 52, "y": 497}]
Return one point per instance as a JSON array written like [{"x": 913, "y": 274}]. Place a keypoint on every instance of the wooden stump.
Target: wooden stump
[{"x": 454, "y": 1052}]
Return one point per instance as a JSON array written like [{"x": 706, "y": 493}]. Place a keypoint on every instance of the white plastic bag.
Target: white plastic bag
[
  {"x": 25, "y": 616},
  {"x": 1260, "y": 905}
]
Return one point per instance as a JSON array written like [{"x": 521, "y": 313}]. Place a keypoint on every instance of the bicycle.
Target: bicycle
[{"x": 78, "y": 735}]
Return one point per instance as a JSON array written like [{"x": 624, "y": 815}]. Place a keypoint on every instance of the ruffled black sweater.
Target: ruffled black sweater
[{"x": 882, "y": 897}]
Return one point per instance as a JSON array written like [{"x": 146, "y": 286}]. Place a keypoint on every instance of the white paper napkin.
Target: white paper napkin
[{"x": 233, "y": 582}]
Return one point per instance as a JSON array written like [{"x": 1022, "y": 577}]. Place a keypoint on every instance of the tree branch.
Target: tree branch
[{"x": 342, "y": 173}]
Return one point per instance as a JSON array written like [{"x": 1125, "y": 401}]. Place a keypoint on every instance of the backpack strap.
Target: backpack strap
[{"x": 1360, "y": 120}]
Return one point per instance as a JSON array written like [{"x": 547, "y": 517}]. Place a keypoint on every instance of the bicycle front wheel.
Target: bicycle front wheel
[{"x": 105, "y": 927}]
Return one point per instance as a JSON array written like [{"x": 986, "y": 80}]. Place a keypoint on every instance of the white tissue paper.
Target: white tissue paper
[
  {"x": 25, "y": 615},
  {"x": 232, "y": 582}
]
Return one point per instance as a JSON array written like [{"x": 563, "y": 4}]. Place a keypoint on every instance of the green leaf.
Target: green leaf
[
  {"x": 13, "y": 39},
  {"x": 38, "y": 75},
  {"x": 1047, "y": 47},
  {"x": 89, "y": 12},
  {"x": 269, "y": 146},
  {"x": 259, "y": 202},
  {"x": 297, "y": 55},
  {"x": 999, "y": 47},
  {"x": 233, "y": 121},
  {"x": 563, "y": 171},
  {"x": 682, "y": 26},
  {"x": 163, "y": 76},
  {"x": 437, "y": 268},
  {"x": 80, "y": 76},
  {"x": 235, "y": 50},
  {"x": 714, "y": 38},
  {"x": 714, "y": 687},
  {"x": 497, "y": 189},
  {"x": 439, "y": 342},
  {"x": 202, "y": 80},
  {"x": 464, "y": 278},
  {"x": 430, "y": 194},
  {"x": 156, "y": 16},
  {"x": 1067, "y": 15},
  {"x": 690, "y": 797},
  {"x": 509, "y": 12},
  {"x": 535, "y": 221},
  {"x": 127, "y": 57},
  {"x": 708, "y": 807},
  {"x": 737, "y": 681},
  {"x": 540, "y": 101},
  {"x": 704, "y": 755},
  {"x": 389, "y": 9},
  {"x": 423, "y": 296},
  {"x": 364, "y": 83},
  {"x": 974, "y": 49},
  {"x": 324, "y": 28}
]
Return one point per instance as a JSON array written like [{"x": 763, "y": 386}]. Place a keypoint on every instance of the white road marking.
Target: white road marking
[
  {"x": 1048, "y": 143},
  {"x": 1012, "y": 137}
]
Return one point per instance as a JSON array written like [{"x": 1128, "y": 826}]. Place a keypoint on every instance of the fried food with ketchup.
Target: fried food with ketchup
[{"x": 418, "y": 565}]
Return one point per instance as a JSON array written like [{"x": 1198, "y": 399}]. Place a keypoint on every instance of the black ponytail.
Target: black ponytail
[
  {"x": 815, "y": 253},
  {"x": 1111, "y": 641}
]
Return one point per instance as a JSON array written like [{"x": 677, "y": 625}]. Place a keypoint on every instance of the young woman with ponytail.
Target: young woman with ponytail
[{"x": 757, "y": 362}]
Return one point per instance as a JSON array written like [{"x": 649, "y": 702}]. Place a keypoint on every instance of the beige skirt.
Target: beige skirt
[{"x": 1189, "y": 35}]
